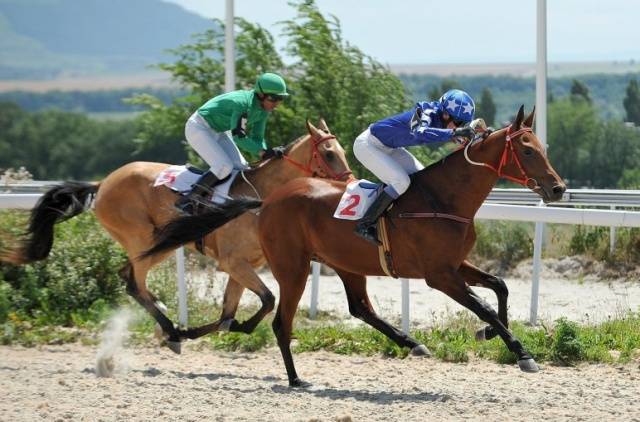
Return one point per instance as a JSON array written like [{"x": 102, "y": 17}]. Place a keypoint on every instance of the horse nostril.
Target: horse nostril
[{"x": 559, "y": 189}]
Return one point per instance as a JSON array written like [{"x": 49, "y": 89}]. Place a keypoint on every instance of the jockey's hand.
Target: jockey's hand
[
  {"x": 462, "y": 133},
  {"x": 277, "y": 152}
]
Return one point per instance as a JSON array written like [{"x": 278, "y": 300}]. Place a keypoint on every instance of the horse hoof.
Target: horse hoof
[
  {"x": 226, "y": 324},
  {"x": 421, "y": 350},
  {"x": 298, "y": 383},
  {"x": 481, "y": 334},
  {"x": 528, "y": 365},
  {"x": 175, "y": 346}
]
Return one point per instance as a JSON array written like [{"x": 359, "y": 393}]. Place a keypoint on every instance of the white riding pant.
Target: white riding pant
[
  {"x": 217, "y": 149},
  {"x": 391, "y": 165}
]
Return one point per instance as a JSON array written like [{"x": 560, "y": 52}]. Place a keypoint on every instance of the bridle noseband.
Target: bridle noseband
[
  {"x": 318, "y": 159},
  {"x": 525, "y": 181}
]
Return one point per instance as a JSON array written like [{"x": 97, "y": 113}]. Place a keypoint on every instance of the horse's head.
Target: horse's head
[
  {"x": 524, "y": 159},
  {"x": 530, "y": 162},
  {"x": 320, "y": 154}
]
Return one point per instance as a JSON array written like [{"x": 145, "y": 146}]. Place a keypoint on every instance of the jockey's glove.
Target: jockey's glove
[
  {"x": 463, "y": 133},
  {"x": 277, "y": 152}
]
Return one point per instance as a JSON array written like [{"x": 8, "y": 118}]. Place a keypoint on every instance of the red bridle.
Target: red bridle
[
  {"x": 504, "y": 160},
  {"x": 319, "y": 161}
]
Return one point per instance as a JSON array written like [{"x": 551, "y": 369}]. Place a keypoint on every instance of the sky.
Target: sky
[{"x": 474, "y": 31}]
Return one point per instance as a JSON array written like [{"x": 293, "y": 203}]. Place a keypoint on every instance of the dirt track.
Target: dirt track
[{"x": 59, "y": 383}]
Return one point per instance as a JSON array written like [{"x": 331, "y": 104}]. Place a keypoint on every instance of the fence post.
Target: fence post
[
  {"x": 405, "y": 305},
  {"x": 535, "y": 282},
  {"x": 315, "y": 284},
  {"x": 612, "y": 236},
  {"x": 182, "y": 288}
]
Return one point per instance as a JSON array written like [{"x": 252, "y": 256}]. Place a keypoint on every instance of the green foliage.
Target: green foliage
[
  {"x": 328, "y": 79},
  {"x": 486, "y": 107},
  {"x": 632, "y": 102},
  {"x": 507, "y": 241},
  {"x": 80, "y": 274},
  {"x": 580, "y": 92},
  {"x": 566, "y": 346},
  {"x": 594, "y": 243},
  {"x": 261, "y": 337},
  {"x": 54, "y": 144},
  {"x": 589, "y": 240}
]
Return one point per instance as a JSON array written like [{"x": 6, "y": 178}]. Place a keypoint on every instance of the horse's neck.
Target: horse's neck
[{"x": 456, "y": 186}]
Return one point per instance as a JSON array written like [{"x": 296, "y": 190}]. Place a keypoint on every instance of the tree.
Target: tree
[
  {"x": 632, "y": 102},
  {"x": 486, "y": 107},
  {"x": 573, "y": 130},
  {"x": 447, "y": 84},
  {"x": 329, "y": 78},
  {"x": 580, "y": 91}
]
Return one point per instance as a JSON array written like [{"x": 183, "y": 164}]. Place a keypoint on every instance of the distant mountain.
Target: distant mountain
[{"x": 52, "y": 38}]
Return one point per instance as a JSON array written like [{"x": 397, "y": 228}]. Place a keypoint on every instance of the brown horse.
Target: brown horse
[
  {"x": 431, "y": 232},
  {"x": 131, "y": 209}
]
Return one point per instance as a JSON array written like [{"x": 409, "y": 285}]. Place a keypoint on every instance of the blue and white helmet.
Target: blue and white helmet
[{"x": 458, "y": 104}]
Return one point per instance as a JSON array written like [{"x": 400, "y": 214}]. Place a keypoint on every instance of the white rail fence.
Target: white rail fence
[{"x": 502, "y": 204}]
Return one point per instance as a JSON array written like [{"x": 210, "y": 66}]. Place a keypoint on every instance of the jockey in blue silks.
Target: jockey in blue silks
[{"x": 381, "y": 148}]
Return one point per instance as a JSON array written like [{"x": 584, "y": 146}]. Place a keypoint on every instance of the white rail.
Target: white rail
[{"x": 490, "y": 210}]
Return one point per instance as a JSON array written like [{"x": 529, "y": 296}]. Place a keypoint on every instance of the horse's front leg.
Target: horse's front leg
[
  {"x": 360, "y": 307},
  {"x": 474, "y": 276},
  {"x": 450, "y": 282}
]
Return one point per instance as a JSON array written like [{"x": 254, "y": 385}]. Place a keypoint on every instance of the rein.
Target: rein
[
  {"x": 319, "y": 161},
  {"x": 504, "y": 159}
]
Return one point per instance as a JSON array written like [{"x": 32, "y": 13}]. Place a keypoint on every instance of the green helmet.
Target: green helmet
[{"x": 271, "y": 83}]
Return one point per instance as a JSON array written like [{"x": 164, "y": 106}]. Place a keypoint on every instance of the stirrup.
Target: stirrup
[
  {"x": 185, "y": 204},
  {"x": 368, "y": 233}
]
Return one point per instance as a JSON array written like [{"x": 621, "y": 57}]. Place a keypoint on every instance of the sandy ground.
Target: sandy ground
[{"x": 58, "y": 383}]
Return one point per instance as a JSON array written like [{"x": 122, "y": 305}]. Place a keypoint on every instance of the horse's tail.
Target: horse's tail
[
  {"x": 187, "y": 229},
  {"x": 58, "y": 204}
]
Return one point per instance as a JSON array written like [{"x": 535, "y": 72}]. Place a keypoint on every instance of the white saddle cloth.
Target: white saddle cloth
[
  {"x": 356, "y": 199},
  {"x": 180, "y": 179}
]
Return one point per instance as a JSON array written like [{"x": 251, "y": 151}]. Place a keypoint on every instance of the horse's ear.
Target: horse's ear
[
  {"x": 323, "y": 125},
  {"x": 519, "y": 118},
  {"x": 528, "y": 122},
  {"x": 313, "y": 131}
]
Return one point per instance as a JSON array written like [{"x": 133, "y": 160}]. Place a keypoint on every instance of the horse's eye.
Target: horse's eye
[
  {"x": 528, "y": 152},
  {"x": 329, "y": 156}
]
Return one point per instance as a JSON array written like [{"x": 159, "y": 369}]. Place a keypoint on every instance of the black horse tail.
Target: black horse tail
[
  {"x": 187, "y": 229},
  {"x": 58, "y": 204}
]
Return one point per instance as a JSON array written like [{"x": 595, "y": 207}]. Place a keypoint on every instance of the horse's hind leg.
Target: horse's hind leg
[
  {"x": 360, "y": 307},
  {"x": 135, "y": 276},
  {"x": 474, "y": 276},
  {"x": 451, "y": 283}
]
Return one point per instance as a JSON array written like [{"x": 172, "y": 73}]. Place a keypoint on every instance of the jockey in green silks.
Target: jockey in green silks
[{"x": 228, "y": 124}]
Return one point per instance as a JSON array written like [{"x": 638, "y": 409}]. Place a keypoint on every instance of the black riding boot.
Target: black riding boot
[
  {"x": 199, "y": 191},
  {"x": 366, "y": 227}
]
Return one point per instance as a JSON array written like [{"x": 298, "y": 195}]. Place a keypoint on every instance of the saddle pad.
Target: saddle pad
[
  {"x": 356, "y": 199},
  {"x": 180, "y": 178}
]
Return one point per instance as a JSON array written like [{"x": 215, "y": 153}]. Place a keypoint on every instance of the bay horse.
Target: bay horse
[
  {"x": 131, "y": 209},
  {"x": 431, "y": 232}
]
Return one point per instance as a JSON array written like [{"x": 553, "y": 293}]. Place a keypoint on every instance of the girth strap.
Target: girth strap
[
  {"x": 384, "y": 250},
  {"x": 434, "y": 215}
]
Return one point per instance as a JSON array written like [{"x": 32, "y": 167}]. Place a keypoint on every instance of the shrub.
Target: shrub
[
  {"x": 81, "y": 269},
  {"x": 566, "y": 346},
  {"x": 506, "y": 241}
]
